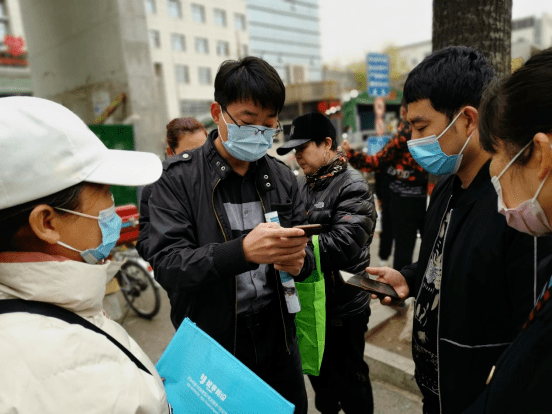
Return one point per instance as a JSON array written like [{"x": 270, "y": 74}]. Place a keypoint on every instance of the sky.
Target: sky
[{"x": 351, "y": 28}]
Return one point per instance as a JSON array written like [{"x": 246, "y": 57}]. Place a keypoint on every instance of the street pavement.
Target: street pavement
[{"x": 154, "y": 335}]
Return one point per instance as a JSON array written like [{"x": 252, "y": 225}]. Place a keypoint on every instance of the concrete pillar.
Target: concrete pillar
[{"x": 82, "y": 52}]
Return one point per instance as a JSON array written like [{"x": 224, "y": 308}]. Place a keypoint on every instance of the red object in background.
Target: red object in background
[
  {"x": 15, "y": 45},
  {"x": 323, "y": 106},
  {"x": 430, "y": 188},
  {"x": 130, "y": 227}
]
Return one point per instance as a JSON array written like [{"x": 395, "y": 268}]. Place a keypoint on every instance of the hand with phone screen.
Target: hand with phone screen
[{"x": 394, "y": 279}]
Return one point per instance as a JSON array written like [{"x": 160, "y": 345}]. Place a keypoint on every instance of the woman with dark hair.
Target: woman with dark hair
[
  {"x": 516, "y": 128},
  {"x": 59, "y": 352},
  {"x": 184, "y": 134}
]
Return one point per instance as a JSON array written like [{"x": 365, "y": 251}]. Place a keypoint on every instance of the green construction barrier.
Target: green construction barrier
[{"x": 120, "y": 137}]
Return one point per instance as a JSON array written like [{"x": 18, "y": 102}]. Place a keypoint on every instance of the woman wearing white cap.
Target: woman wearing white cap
[{"x": 59, "y": 353}]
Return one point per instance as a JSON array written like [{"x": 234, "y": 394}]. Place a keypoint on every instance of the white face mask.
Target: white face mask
[{"x": 529, "y": 216}]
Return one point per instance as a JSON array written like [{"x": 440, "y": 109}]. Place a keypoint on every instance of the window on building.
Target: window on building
[
  {"x": 198, "y": 13},
  {"x": 202, "y": 45},
  {"x": 3, "y": 31},
  {"x": 182, "y": 74},
  {"x": 223, "y": 48},
  {"x": 220, "y": 17},
  {"x": 204, "y": 75},
  {"x": 155, "y": 39},
  {"x": 174, "y": 8},
  {"x": 4, "y": 26},
  {"x": 178, "y": 42},
  {"x": 158, "y": 69},
  {"x": 151, "y": 7},
  {"x": 239, "y": 21},
  {"x": 194, "y": 108}
]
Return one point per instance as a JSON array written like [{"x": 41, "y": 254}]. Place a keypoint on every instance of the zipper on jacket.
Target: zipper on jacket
[
  {"x": 215, "y": 210},
  {"x": 235, "y": 281},
  {"x": 277, "y": 281},
  {"x": 440, "y": 300}
]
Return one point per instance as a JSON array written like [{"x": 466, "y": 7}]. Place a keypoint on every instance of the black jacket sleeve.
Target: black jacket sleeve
[
  {"x": 142, "y": 244},
  {"x": 180, "y": 264},
  {"x": 352, "y": 226},
  {"x": 299, "y": 217}
]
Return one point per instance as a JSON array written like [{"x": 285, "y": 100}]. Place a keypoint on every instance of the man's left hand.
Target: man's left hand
[{"x": 292, "y": 267}]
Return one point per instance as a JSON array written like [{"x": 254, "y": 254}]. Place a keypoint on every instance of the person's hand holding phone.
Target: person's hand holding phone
[
  {"x": 310, "y": 229},
  {"x": 391, "y": 277},
  {"x": 269, "y": 243}
]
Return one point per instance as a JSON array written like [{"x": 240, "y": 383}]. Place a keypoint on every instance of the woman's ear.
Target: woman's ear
[
  {"x": 45, "y": 222},
  {"x": 170, "y": 152},
  {"x": 328, "y": 143},
  {"x": 543, "y": 153}
]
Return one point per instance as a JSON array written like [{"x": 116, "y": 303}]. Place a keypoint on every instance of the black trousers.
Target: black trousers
[
  {"x": 431, "y": 405},
  {"x": 408, "y": 218},
  {"x": 343, "y": 382},
  {"x": 386, "y": 235},
  {"x": 263, "y": 350}
]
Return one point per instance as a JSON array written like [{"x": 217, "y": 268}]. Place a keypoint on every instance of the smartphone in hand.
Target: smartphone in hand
[
  {"x": 310, "y": 229},
  {"x": 362, "y": 280}
]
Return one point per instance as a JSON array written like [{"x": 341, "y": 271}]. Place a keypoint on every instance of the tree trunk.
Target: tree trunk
[{"x": 483, "y": 24}]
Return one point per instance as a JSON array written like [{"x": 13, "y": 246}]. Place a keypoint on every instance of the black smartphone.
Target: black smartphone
[
  {"x": 379, "y": 288},
  {"x": 363, "y": 281},
  {"x": 310, "y": 229}
]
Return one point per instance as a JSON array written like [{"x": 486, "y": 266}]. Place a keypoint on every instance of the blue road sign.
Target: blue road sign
[{"x": 377, "y": 74}]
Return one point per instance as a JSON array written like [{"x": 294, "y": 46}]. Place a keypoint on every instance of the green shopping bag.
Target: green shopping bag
[{"x": 311, "y": 320}]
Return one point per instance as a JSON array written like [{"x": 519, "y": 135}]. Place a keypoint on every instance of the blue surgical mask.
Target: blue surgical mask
[
  {"x": 428, "y": 153},
  {"x": 248, "y": 142},
  {"x": 110, "y": 224}
]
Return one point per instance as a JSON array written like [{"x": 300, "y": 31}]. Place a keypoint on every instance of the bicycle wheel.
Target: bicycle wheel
[{"x": 139, "y": 289}]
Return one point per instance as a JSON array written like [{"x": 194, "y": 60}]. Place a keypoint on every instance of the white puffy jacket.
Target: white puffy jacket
[{"x": 50, "y": 366}]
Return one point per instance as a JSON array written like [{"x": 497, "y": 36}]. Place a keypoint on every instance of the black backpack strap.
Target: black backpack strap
[{"x": 53, "y": 311}]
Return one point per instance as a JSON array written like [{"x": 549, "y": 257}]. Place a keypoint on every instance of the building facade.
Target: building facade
[
  {"x": 15, "y": 76},
  {"x": 189, "y": 39},
  {"x": 286, "y": 33}
]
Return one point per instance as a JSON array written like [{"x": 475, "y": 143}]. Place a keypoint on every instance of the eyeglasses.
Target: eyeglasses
[{"x": 256, "y": 130}]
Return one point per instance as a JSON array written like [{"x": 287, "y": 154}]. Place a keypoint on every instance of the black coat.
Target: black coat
[
  {"x": 522, "y": 378},
  {"x": 189, "y": 243},
  {"x": 344, "y": 205},
  {"x": 485, "y": 293}
]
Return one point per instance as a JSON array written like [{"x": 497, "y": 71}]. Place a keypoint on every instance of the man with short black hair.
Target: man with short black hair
[
  {"x": 209, "y": 244},
  {"x": 470, "y": 301}
]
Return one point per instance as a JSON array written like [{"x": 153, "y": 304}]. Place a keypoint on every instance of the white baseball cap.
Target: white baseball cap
[{"x": 46, "y": 148}]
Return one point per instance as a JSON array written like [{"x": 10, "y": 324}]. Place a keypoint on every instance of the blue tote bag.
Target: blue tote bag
[{"x": 200, "y": 376}]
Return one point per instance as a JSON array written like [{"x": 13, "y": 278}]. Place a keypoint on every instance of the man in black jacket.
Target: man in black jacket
[
  {"x": 208, "y": 241},
  {"x": 470, "y": 301}
]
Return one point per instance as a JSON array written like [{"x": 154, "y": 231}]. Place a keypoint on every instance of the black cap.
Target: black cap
[{"x": 310, "y": 127}]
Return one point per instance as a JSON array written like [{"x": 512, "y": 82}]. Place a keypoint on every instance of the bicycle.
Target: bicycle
[{"x": 140, "y": 290}]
